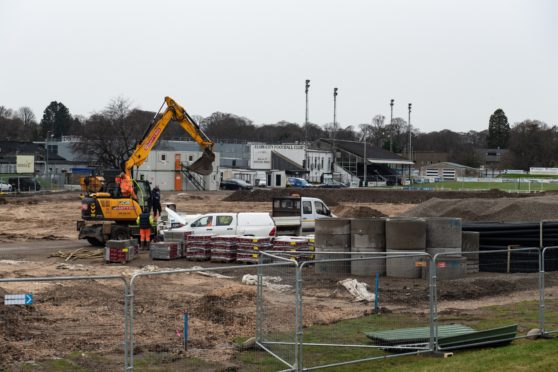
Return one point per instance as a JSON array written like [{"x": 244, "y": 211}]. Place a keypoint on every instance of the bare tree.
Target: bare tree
[
  {"x": 5, "y": 112},
  {"x": 378, "y": 130},
  {"x": 532, "y": 143},
  {"x": 365, "y": 131},
  {"x": 109, "y": 137},
  {"x": 26, "y": 115}
]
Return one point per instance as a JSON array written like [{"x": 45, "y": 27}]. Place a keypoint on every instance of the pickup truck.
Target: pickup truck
[
  {"x": 295, "y": 215},
  {"x": 251, "y": 223}
]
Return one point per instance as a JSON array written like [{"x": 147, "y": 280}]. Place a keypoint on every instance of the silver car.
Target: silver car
[{"x": 5, "y": 186}]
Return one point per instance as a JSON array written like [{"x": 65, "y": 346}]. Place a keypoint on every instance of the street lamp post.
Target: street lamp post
[
  {"x": 365, "y": 162},
  {"x": 391, "y": 127},
  {"x": 410, "y": 144},
  {"x": 307, "y": 86},
  {"x": 47, "y": 171},
  {"x": 334, "y": 127},
  {"x": 410, "y": 138},
  {"x": 46, "y": 157}
]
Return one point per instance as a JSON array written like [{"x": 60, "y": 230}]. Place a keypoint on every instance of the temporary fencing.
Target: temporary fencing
[
  {"x": 211, "y": 313},
  {"x": 287, "y": 312},
  {"x": 502, "y": 306},
  {"x": 48, "y": 317},
  {"x": 549, "y": 291},
  {"x": 277, "y": 308},
  {"x": 350, "y": 329}
]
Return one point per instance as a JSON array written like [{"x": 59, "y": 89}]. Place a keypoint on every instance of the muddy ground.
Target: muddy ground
[
  {"x": 54, "y": 216},
  {"x": 334, "y": 196},
  {"x": 88, "y": 315}
]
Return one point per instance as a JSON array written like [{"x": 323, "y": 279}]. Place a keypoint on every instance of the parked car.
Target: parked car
[
  {"x": 5, "y": 187},
  {"x": 332, "y": 184},
  {"x": 24, "y": 184},
  {"x": 260, "y": 182},
  {"x": 249, "y": 223},
  {"x": 297, "y": 182},
  {"x": 234, "y": 184}
]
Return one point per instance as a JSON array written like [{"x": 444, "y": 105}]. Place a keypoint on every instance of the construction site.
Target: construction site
[{"x": 84, "y": 323}]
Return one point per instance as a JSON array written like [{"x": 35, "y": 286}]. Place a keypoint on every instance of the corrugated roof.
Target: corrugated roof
[
  {"x": 372, "y": 152},
  {"x": 418, "y": 334},
  {"x": 448, "y": 163},
  {"x": 281, "y": 162}
]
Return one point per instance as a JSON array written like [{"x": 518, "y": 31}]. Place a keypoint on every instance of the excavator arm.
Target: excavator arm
[{"x": 173, "y": 112}]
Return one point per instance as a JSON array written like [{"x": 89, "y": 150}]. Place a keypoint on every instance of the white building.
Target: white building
[
  {"x": 261, "y": 155},
  {"x": 319, "y": 162},
  {"x": 163, "y": 167},
  {"x": 291, "y": 158}
]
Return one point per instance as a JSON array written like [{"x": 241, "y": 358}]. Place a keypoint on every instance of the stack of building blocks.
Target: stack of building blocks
[
  {"x": 198, "y": 247},
  {"x": 121, "y": 251},
  {"x": 296, "y": 248},
  {"x": 249, "y": 246},
  {"x": 176, "y": 236},
  {"x": 167, "y": 250},
  {"x": 223, "y": 248}
]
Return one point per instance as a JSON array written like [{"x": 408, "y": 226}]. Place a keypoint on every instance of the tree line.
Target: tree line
[{"x": 109, "y": 136}]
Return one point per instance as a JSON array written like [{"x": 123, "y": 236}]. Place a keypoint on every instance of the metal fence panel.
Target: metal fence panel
[
  {"x": 201, "y": 318},
  {"x": 549, "y": 308},
  {"x": 487, "y": 297},
  {"x": 63, "y": 317},
  {"x": 340, "y": 328},
  {"x": 277, "y": 308}
]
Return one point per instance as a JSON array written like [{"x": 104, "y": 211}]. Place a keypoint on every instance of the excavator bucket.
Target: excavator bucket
[{"x": 204, "y": 165}]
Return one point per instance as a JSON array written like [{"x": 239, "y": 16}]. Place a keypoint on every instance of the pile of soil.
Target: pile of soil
[
  {"x": 334, "y": 196},
  {"x": 502, "y": 209},
  {"x": 348, "y": 211}
]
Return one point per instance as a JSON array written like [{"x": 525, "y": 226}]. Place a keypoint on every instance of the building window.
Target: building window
[
  {"x": 163, "y": 157},
  {"x": 234, "y": 163},
  {"x": 190, "y": 158}
]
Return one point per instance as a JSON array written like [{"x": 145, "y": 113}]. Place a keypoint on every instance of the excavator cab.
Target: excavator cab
[{"x": 142, "y": 189}]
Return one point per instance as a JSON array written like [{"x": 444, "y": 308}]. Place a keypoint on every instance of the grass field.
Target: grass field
[
  {"x": 506, "y": 186},
  {"x": 527, "y": 176},
  {"x": 521, "y": 355}
]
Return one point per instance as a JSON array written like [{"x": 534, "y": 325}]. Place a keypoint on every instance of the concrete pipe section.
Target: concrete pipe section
[
  {"x": 333, "y": 235},
  {"x": 404, "y": 236},
  {"x": 443, "y": 235},
  {"x": 368, "y": 235}
]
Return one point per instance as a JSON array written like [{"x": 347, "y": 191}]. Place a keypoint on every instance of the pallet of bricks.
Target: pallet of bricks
[
  {"x": 249, "y": 246},
  {"x": 121, "y": 251},
  {"x": 223, "y": 248},
  {"x": 198, "y": 247},
  {"x": 171, "y": 248},
  {"x": 296, "y": 248}
]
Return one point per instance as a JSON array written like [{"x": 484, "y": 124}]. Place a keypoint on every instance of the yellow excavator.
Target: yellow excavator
[{"x": 107, "y": 213}]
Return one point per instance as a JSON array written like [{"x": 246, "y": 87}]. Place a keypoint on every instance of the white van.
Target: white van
[
  {"x": 295, "y": 215},
  {"x": 256, "y": 224}
]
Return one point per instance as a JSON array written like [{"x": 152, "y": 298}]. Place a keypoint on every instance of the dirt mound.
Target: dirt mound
[
  {"x": 502, "y": 209},
  {"x": 359, "y": 211},
  {"x": 218, "y": 307},
  {"x": 334, "y": 196},
  {"x": 39, "y": 197}
]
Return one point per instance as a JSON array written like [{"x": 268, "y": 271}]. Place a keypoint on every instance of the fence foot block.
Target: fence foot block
[{"x": 441, "y": 354}]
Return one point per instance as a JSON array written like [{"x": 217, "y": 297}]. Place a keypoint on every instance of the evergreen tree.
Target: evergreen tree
[
  {"x": 56, "y": 119},
  {"x": 498, "y": 130}
]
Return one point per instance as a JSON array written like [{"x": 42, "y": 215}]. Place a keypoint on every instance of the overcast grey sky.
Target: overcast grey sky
[{"x": 456, "y": 61}]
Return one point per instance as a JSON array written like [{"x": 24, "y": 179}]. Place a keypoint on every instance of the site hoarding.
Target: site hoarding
[
  {"x": 25, "y": 164},
  {"x": 260, "y": 155}
]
